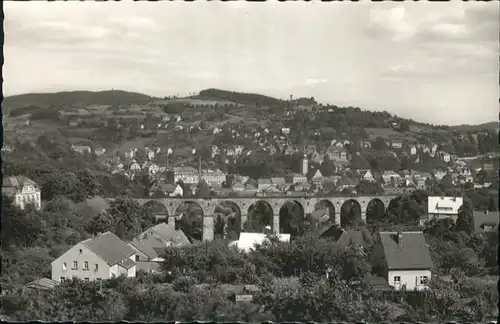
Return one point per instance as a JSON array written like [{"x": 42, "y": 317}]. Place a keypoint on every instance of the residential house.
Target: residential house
[
  {"x": 247, "y": 241},
  {"x": 391, "y": 178},
  {"x": 315, "y": 176},
  {"x": 409, "y": 181},
  {"x": 178, "y": 191},
  {"x": 357, "y": 239},
  {"x": 443, "y": 207},
  {"x": 404, "y": 260},
  {"x": 238, "y": 149},
  {"x": 439, "y": 174},
  {"x": 134, "y": 166},
  {"x": 365, "y": 144},
  {"x": 22, "y": 190},
  {"x": 74, "y": 122},
  {"x": 82, "y": 149},
  {"x": 433, "y": 150},
  {"x": 162, "y": 188},
  {"x": 486, "y": 221},
  {"x": 99, "y": 151},
  {"x": 310, "y": 149},
  {"x": 165, "y": 118},
  {"x": 150, "y": 154},
  {"x": 216, "y": 130},
  {"x": 337, "y": 154},
  {"x": 289, "y": 150},
  {"x": 345, "y": 183},
  {"x": 238, "y": 186},
  {"x": 366, "y": 175},
  {"x": 316, "y": 157},
  {"x": 130, "y": 153},
  {"x": 150, "y": 245},
  {"x": 413, "y": 150},
  {"x": 251, "y": 185},
  {"x": 186, "y": 174},
  {"x": 213, "y": 177},
  {"x": 396, "y": 144},
  {"x": 285, "y": 130},
  {"x": 278, "y": 182},
  {"x": 295, "y": 178},
  {"x": 6, "y": 148},
  {"x": 101, "y": 257},
  {"x": 445, "y": 157},
  {"x": 150, "y": 167},
  {"x": 264, "y": 183}
]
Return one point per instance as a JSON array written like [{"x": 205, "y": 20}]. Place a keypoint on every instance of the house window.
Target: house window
[
  {"x": 62, "y": 279},
  {"x": 136, "y": 257},
  {"x": 64, "y": 266},
  {"x": 86, "y": 265},
  {"x": 397, "y": 279},
  {"x": 86, "y": 279},
  {"x": 80, "y": 251},
  {"x": 75, "y": 265},
  {"x": 96, "y": 267},
  {"x": 423, "y": 280}
]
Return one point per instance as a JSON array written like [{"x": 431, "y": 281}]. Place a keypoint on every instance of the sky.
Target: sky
[{"x": 432, "y": 62}]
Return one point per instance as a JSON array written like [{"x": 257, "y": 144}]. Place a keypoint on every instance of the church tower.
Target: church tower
[{"x": 304, "y": 165}]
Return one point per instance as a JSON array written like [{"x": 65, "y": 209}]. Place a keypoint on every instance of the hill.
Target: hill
[
  {"x": 491, "y": 127},
  {"x": 110, "y": 97}
]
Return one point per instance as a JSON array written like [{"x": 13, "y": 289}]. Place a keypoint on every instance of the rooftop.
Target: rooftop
[
  {"x": 412, "y": 252},
  {"x": 109, "y": 247}
]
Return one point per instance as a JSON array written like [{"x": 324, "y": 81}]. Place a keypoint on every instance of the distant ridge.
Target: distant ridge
[
  {"x": 491, "y": 126},
  {"x": 109, "y": 97}
]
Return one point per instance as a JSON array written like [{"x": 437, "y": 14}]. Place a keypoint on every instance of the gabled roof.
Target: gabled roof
[
  {"x": 411, "y": 254},
  {"x": 109, "y": 247},
  {"x": 17, "y": 182},
  {"x": 444, "y": 205},
  {"x": 278, "y": 180},
  {"x": 43, "y": 284},
  {"x": 157, "y": 238},
  {"x": 352, "y": 237},
  {"x": 264, "y": 181},
  {"x": 489, "y": 219}
]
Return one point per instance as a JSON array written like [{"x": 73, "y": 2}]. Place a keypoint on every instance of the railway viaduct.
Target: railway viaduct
[{"x": 307, "y": 204}]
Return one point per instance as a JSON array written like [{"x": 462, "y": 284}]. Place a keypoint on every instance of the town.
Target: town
[
  {"x": 137, "y": 207},
  {"x": 250, "y": 163}
]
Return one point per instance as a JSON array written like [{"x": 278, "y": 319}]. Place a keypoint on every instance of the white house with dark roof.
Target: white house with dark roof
[
  {"x": 443, "y": 207},
  {"x": 98, "y": 258},
  {"x": 22, "y": 190},
  {"x": 404, "y": 260}
]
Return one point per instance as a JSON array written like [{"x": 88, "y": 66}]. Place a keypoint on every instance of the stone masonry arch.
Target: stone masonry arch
[{"x": 208, "y": 206}]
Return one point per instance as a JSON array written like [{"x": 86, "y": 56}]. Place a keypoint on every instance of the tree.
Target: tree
[
  {"x": 19, "y": 227},
  {"x": 100, "y": 223},
  {"x": 327, "y": 167},
  {"x": 125, "y": 214},
  {"x": 202, "y": 190},
  {"x": 465, "y": 220}
]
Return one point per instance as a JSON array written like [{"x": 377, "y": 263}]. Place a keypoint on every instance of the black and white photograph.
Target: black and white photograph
[{"x": 230, "y": 161}]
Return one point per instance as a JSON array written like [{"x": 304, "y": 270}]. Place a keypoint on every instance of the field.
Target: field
[{"x": 389, "y": 133}]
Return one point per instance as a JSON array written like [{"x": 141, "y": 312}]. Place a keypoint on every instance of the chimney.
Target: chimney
[{"x": 399, "y": 235}]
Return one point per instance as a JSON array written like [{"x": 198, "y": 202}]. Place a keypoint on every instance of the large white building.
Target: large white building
[
  {"x": 443, "y": 207},
  {"x": 186, "y": 174},
  {"x": 22, "y": 190},
  {"x": 102, "y": 257}
]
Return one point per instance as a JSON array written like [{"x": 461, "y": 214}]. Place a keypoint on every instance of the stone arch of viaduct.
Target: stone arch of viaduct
[{"x": 209, "y": 205}]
